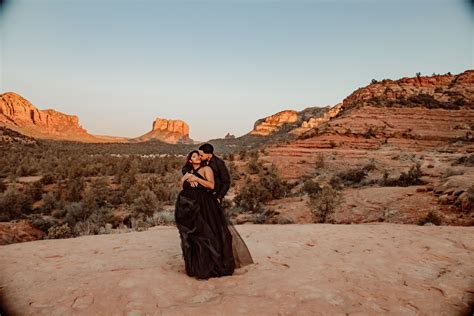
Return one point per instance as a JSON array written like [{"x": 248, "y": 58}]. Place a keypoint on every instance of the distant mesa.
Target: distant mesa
[
  {"x": 169, "y": 131},
  {"x": 18, "y": 114}
]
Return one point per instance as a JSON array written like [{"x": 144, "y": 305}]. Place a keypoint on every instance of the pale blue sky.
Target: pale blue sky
[{"x": 218, "y": 65}]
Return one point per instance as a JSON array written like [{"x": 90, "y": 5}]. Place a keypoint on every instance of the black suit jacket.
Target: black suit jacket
[{"x": 221, "y": 176}]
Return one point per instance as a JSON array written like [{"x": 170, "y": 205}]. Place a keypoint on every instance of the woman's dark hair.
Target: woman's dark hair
[
  {"x": 188, "y": 157},
  {"x": 207, "y": 148}
]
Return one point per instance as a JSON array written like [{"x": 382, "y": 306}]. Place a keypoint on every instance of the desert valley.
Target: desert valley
[{"x": 396, "y": 156}]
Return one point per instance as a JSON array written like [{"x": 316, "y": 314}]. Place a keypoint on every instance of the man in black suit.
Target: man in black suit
[{"x": 221, "y": 174}]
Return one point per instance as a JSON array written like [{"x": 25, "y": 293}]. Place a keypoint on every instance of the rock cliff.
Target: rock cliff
[{"x": 169, "y": 131}]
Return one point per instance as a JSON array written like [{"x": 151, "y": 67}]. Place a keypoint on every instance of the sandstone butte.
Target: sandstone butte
[
  {"x": 20, "y": 115},
  {"x": 313, "y": 269},
  {"x": 170, "y": 131}
]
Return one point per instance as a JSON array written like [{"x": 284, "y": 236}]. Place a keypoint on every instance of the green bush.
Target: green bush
[
  {"x": 13, "y": 204},
  {"x": 271, "y": 181},
  {"x": 432, "y": 217},
  {"x": 41, "y": 222},
  {"x": 254, "y": 166},
  {"x": 412, "y": 177},
  {"x": 76, "y": 212},
  {"x": 352, "y": 176},
  {"x": 57, "y": 232},
  {"x": 34, "y": 190},
  {"x": 145, "y": 205},
  {"x": 323, "y": 204},
  {"x": 49, "y": 201},
  {"x": 252, "y": 196},
  {"x": 311, "y": 187},
  {"x": 74, "y": 189}
]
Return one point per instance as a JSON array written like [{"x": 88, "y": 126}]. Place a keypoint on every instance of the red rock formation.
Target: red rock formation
[
  {"x": 20, "y": 115},
  {"x": 169, "y": 131},
  {"x": 271, "y": 124},
  {"x": 409, "y": 115}
]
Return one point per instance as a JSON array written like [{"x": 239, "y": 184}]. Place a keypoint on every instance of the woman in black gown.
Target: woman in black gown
[{"x": 211, "y": 246}]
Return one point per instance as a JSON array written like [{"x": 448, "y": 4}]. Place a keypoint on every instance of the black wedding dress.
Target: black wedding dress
[{"x": 211, "y": 246}]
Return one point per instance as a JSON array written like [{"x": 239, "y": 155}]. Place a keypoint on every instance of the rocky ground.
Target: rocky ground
[{"x": 299, "y": 269}]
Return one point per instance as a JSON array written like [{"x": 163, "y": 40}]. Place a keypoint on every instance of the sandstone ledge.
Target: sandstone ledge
[{"x": 300, "y": 269}]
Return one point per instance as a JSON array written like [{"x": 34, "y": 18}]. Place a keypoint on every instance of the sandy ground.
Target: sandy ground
[{"x": 299, "y": 270}]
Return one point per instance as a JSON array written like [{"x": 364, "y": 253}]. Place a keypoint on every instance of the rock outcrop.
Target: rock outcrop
[
  {"x": 20, "y": 115},
  {"x": 313, "y": 270},
  {"x": 271, "y": 124},
  {"x": 409, "y": 115},
  {"x": 169, "y": 131}
]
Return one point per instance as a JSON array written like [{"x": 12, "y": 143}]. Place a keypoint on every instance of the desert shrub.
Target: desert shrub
[
  {"x": 48, "y": 179},
  {"x": 252, "y": 196},
  {"x": 134, "y": 192},
  {"x": 145, "y": 204},
  {"x": 59, "y": 213},
  {"x": 49, "y": 201},
  {"x": 412, "y": 177},
  {"x": 96, "y": 195},
  {"x": 76, "y": 212},
  {"x": 431, "y": 217},
  {"x": 58, "y": 232},
  {"x": 34, "y": 190},
  {"x": 126, "y": 178},
  {"x": 311, "y": 187},
  {"x": 336, "y": 183},
  {"x": 262, "y": 216},
  {"x": 162, "y": 190},
  {"x": 138, "y": 224},
  {"x": 13, "y": 204},
  {"x": 234, "y": 173},
  {"x": 254, "y": 166},
  {"x": 93, "y": 224},
  {"x": 284, "y": 220},
  {"x": 323, "y": 204},
  {"x": 369, "y": 133},
  {"x": 271, "y": 181},
  {"x": 41, "y": 222},
  {"x": 74, "y": 189},
  {"x": 352, "y": 176},
  {"x": 164, "y": 218}
]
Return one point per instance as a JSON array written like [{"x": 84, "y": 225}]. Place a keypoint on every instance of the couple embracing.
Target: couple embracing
[{"x": 211, "y": 245}]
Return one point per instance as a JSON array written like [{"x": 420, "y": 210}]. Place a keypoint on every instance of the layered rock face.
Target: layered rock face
[
  {"x": 20, "y": 115},
  {"x": 439, "y": 91},
  {"x": 169, "y": 131},
  {"x": 271, "y": 124},
  {"x": 410, "y": 115}
]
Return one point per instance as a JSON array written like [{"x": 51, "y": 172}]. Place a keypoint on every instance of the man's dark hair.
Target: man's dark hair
[{"x": 207, "y": 148}]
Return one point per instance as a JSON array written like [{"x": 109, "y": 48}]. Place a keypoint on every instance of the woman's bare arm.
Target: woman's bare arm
[{"x": 208, "y": 182}]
